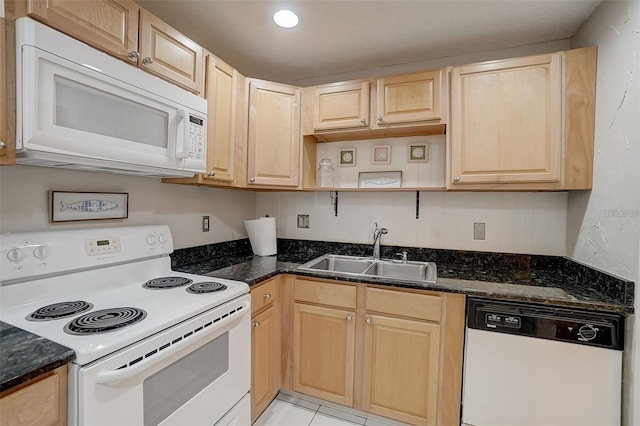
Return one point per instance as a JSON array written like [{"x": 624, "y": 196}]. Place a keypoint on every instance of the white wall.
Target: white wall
[
  {"x": 515, "y": 222},
  {"x": 604, "y": 224},
  {"x": 24, "y": 204}
]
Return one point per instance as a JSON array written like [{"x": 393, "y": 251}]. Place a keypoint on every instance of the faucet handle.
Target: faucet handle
[{"x": 403, "y": 255}]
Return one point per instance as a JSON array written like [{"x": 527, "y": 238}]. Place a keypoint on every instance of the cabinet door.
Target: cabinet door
[
  {"x": 507, "y": 121},
  {"x": 43, "y": 402},
  {"x": 265, "y": 360},
  {"x": 169, "y": 54},
  {"x": 323, "y": 352},
  {"x": 6, "y": 157},
  {"x": 273, "y": 156},
  {"x": 409, "y": 98},
  {"x": 220, "y": 91},
  {"x": 341, "y": 106},
  {"x": 108, "y": 25},
  {"x": 401, "y": 365}
]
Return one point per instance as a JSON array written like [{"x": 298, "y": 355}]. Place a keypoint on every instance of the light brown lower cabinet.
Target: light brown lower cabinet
[
  {"x": 43, "y": 401},
  {"x": 392, "y": 352},
  {"x": 265, "y": 345}
]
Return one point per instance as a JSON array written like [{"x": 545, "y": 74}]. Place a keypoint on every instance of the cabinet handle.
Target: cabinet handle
[
  {"x": 252, "y": 180},
  {"x": 3, "y": 145},
  {"x": 211, "y": 174},
  {"x": 133, "y": 55},
  {"x": 368, "y": 320},
  {"x": 380, "y": 118},
  {"x": 456, "y": 179},
  {"x": 363, "y": 121},
  {"x": 255, "y": 324},
  {"x": 147, "y": 61},
  {"x": 349, "y": 318},
  {"x": 267, "y": 296}
]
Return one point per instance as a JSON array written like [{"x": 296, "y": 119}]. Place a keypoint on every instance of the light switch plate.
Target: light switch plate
[
  {"x": 205, "y": 223},
  {"x": 303, "y": 221},
  {"x": 478, "y": 230}
]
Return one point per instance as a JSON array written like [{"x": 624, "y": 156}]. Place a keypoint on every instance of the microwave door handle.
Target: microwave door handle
[
  {"x": 182, "y": 137},
  {"x": 114, "y": 376}
]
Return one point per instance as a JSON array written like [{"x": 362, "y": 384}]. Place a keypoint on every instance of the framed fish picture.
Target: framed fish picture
[{"x": 68, "y": 206}]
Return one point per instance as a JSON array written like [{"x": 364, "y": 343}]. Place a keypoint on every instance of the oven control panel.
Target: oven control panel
[
  {"x": 96, "y": 246},
  {"x": 31, "y": 254}
]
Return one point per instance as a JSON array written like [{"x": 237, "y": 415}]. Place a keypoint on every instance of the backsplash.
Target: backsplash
[{"x": 524, "y": 222}]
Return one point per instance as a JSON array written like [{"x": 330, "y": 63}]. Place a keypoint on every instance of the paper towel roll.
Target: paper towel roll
[{"x": 262, "y": 235}]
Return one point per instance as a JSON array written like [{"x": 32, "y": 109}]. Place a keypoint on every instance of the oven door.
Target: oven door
[{"x": 190, "y": 374}]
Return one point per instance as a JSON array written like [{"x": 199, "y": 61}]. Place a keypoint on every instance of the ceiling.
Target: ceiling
[{"x": 340, "y": 36}]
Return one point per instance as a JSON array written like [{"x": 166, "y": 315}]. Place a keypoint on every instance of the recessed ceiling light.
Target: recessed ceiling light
[{"x": 286, "y": 18}]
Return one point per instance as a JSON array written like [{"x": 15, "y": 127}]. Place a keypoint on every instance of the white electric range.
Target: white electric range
[{"x": 153, "y": 346}]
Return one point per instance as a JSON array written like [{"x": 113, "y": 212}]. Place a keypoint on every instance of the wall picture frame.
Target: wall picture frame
[
  {"x": 418, "y": 153},
  {"x": 381, "y": 154},
  {"x": 347, "y": 157},
  {"x": 70, "y": 206}
]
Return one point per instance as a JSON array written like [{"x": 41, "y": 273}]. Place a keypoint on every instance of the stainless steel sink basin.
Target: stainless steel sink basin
[
  {"x": 368, "y": 267},
  {"x": 339, "y": 264},
  {"x": 412, "y": 271}
]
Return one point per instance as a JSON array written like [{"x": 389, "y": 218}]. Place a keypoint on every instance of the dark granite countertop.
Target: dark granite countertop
[
  {"x": 538, "y": 279},
  {"x": 24, "y": 356}
]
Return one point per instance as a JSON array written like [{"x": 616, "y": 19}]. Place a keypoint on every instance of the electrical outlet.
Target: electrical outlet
[
  {"x": 205, "y": 223},
  {"x": 303, "y": 221},
  {"x": 478, "y": 230}
]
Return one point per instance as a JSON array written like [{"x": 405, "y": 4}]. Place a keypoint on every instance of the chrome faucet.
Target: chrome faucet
[{"x": 377, "y": 233}]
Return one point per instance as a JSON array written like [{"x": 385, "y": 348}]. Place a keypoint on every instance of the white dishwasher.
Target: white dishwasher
[{"x": 538, "y": 365}]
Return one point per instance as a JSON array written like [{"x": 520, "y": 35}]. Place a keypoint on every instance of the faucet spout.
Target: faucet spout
[{"x": 377, "y": 234}]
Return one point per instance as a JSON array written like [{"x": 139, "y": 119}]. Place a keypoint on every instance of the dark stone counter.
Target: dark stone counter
[
  {"x": 532, "y": 278},
  {"x": 24, "y": 356}
]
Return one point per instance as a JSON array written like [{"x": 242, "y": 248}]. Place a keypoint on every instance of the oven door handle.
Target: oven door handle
[{"x": 114, "y": 376}]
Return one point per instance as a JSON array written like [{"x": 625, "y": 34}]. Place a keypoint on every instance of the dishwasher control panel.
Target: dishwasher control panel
[{"x": 602, "y": 329}]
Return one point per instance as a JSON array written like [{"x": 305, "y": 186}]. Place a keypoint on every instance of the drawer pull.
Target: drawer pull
[
  {"x": 255, "y": 324},
  {"x": 267, "y": 296},
  {"x": 349, "y": 318},
  {"x": 368, "y": 320}
]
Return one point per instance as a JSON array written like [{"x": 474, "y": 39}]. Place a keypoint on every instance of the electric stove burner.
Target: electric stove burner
[
  {"x": 104, "y": 320},
  {"x": 166, "y": 282},
  {"x": 59, "y": 310},
  {"x": 206, "y": 287}
]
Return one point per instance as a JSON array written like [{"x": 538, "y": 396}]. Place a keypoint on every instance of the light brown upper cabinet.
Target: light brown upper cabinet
[
  {"x": 524, "y": 123},
  {"x": 169, "y": 54},
  {"x": 341, "y": 106},
  {"x": 401, "y": 105},
  {"x": 409, "y": 98},
  {"x": 7, "y": 150},
  {"x": 221, "y": 87},
  {"x": 273, "y": 144},
  {"x": 122, "y": 29}
]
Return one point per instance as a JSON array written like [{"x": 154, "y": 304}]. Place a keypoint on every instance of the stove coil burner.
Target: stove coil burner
[
  {"x": 206, "y": 287},
  {"x": 59, "y": 310},
  {"x": 104, "y": 320},
  {"x": 166, "y": 282}
]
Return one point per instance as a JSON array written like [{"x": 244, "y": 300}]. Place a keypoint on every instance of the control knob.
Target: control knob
[
  {"x": 162, "y": 238},
  {"x": 41, "y": 252},
  {"x": 587, "y": 332},
  {"x": 15, "y": 255},
  {"x": 151, "y": 239}
]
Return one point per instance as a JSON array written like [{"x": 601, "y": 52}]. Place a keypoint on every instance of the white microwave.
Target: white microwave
[{"x": 79, "y": 108}]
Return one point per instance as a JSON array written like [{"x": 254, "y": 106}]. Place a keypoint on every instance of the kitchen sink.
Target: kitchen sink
[
  {"x": 339, "y": 264},
  {"x": 369, "y": 267}
]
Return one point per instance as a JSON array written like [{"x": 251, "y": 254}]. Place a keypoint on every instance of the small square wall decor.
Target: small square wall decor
[
  {"x": 381, "y": 154},
  {"x": 347, "y": 157},
  {"x": 418, "y": 153}
]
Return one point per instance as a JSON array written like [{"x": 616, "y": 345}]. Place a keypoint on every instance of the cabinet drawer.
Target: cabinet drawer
[
  {"x": 343, "y": 296},
  {"x": 264, "y": 295},
  {"x": 413, "y": 305}
]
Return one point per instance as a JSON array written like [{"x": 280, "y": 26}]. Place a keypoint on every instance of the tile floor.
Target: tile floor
[{"x": 290, "y": 410}]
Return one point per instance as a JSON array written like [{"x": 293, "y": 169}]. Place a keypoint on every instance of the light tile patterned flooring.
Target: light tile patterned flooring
[{"x": 290, "y": 410}]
